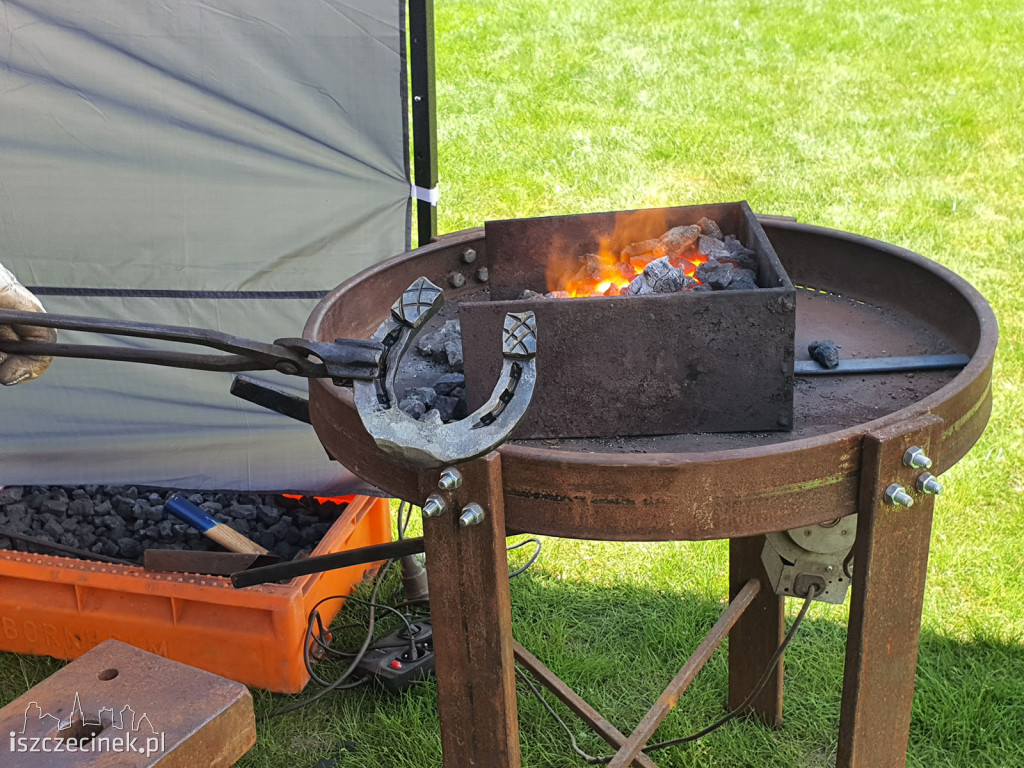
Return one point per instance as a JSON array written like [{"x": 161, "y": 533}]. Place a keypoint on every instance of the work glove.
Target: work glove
[{"x": 15, "y": 369}]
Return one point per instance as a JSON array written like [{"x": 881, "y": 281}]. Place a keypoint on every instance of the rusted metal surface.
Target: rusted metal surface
[
  {"x": 642, "y": 365},
  {"x": 575, "y": 702},
  {"x": 890, "y": 565},
  {"x": 176, "y": 716},
  {"x": 670, "y": 697},
  {"x": 708, "y": 486},
  {"x": 472, "y": 613},
  {"x": 756, "y": 636}
]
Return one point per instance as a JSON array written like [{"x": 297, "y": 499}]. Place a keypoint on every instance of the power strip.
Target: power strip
[{"x": 388, "y": 660}]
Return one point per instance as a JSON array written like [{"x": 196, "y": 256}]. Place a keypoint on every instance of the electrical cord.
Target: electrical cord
[
  {"x": 533, "y": 557},
  {"x": 316, "y": 631},
  {"x": 339, "y": 682},
  {"x": 761, "y": 683}
]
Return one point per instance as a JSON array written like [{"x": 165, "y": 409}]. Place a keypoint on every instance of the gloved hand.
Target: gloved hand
[{"x": 15, "y": 369}]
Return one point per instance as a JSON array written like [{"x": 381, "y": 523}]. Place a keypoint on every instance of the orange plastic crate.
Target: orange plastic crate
[{"x": 61, "y": 607}]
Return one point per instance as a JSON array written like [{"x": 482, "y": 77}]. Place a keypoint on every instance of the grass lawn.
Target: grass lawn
[{"x": 901, "y": 120}]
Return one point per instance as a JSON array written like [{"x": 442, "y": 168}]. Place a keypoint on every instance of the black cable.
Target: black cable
[
  {"x": 761, "y": 683},
  {"x": 533, "y": 557},
  {"x": 338, "y": 683}
]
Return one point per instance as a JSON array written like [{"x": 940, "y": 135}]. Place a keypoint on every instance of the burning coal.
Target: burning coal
[{"x": 695, "y": 257}]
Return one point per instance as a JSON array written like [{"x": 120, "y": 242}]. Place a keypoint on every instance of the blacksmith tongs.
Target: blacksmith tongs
[{"x": 342, "y": 361}]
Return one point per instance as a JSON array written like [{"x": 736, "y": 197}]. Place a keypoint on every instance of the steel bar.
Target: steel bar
[
  {"x": 321, "y": 563},
  {"x": 51, "y": 547},
  {"x": 670, "y": 697},
  {"x": 472, "y": 614},
  {"x": 756, "y": 636},
  {"x": 882, "y": 365},
  {"x": 891, "y": 561},
  {"x": 575, "y": 702},
  {"x": 260, "y": 394}
]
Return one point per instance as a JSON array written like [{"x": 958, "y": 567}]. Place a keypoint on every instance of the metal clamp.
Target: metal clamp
[{"x": 426, "y": 446}]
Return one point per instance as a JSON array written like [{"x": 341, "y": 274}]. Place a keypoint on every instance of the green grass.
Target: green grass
[{"x": 900, "y": 120}]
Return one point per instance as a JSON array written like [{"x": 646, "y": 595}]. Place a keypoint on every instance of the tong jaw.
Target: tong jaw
[{"x": 421, "y": 445}]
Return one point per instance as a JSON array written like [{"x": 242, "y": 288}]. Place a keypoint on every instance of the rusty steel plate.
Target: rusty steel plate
[
  {"x": 120, "y": 706},
  {"x": 850, "y": 288},
  {"x": 715, "y": 361}
]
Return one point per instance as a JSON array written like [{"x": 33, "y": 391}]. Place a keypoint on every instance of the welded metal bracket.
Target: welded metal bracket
[
  {"x": 421, "y": 445},
  {"x": 814, "y": 555}
]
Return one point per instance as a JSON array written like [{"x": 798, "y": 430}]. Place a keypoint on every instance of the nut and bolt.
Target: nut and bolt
[
  {"x": 450, "y": 479},
  {"x": 483, "y": 274},
  {"x": 897, "y": 495},
  {"x": 456, "y": 279},
  {"x": 916, "y": 458},
  {"x": 928, "y": 483},
  {"x": 468, "y": 256},
  {"x": 472, "y": 514},
  {"x": 434, "y": 506}
]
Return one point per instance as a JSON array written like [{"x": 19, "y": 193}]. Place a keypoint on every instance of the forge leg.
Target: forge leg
[
  {"x": 469, "y": 602},
  {"x": 890, "y": 561},
  {"x": 757, "y": 635}
]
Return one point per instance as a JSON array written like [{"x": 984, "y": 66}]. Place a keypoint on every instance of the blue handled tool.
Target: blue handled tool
[{"x": 225, "y": 535}]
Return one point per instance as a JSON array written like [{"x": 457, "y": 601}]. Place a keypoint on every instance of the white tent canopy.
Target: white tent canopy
[{"x": 218, "y": 164}]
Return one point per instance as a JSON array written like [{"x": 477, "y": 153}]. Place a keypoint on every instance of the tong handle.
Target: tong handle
[{"x": 244, "y": 354}]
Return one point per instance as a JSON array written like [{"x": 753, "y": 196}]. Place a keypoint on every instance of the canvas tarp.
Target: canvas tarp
[{"x": 218, "y": 164}]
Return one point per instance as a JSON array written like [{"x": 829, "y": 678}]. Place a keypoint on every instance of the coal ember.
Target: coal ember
[
  {"x": 715, "y": 274},
  {"x": 123, "y": 522},
  {"x": 663, "y": 277},
  {"x": 824, "y": 352},
  {"x": 447, "y": 383},
  {"x": 435, "y": 345},
  {"x": 742, "y": 279}
]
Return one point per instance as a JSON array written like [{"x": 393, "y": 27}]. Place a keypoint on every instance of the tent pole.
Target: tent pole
[{"x": 424, "y": 113}]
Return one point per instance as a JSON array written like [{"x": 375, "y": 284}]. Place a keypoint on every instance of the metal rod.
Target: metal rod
[
  {"x": 573, "y": 701},
  {"x": 321, "y": 563},
  {"x": 883, "y": 365},
  {"x": 62, "y": 549},
  {"x": 424, "y": 113},
  {"x": 668, "y": 699}
]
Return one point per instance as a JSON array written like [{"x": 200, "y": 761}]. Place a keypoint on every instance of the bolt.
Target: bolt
[
  {"x": 472, "y": 514},
  {"x": 897, "y": 495},
  {"x": 915, "y": 457},
  {"x": 287, "y": 367},
  {"x": 468, "y": 256},
  {"x": 928, "y": 483},
  {"x": 450, "y": 479},
  {"x": 483, "y": 274},
  {"x": 456, "y": 279},
  {"x": 829, "y": 569},
  {"x": 434, "y": 506}
]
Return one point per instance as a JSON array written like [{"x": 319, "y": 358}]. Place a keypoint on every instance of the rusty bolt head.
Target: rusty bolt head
[
  {"x": 483, "y": 274},
  {"x": 450, "y": 479},
  {"x": 456, "y": 279},
  {"x": 434, "y": 506},
  {"x": 897, "y": 495},
  {"x": 468, "y": 256},
  {"x": 472, "y": 514},
  {"x": 915, "y": 457},
  {"x": 928, "y": 483}
]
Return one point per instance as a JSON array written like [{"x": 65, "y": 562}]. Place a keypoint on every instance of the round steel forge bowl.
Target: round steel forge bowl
[{"x": 872, "y": 298}]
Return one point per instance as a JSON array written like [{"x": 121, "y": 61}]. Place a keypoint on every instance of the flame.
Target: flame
[{"x": 613, "y": 267}]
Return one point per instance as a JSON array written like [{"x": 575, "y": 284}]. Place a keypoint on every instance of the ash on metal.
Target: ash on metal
[{"x": 122, "y": 522}]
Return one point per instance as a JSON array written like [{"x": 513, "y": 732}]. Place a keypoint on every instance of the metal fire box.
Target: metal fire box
[{"x": 709, "y": 361}]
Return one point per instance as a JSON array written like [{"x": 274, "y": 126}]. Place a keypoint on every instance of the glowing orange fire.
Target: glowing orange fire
[{"x": 620, "y": 258}]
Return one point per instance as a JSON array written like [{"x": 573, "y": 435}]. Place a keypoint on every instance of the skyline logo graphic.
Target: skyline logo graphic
[{"x": 111, "y": 729}]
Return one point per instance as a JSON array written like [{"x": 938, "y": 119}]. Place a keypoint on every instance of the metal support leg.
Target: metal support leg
[
  {"x": 890, "y": 564},
  {"x": 472, "y": 615},
  {"x": 757, "y": 635}
]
